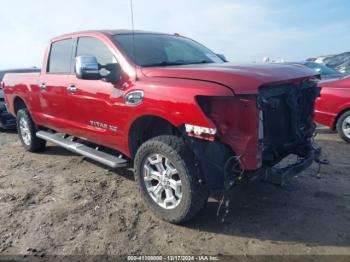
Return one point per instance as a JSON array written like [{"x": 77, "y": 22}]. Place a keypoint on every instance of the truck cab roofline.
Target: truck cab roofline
[{"x": 108, "y": 32}]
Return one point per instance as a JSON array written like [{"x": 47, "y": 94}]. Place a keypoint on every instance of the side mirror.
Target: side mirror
[
  {"x": 111, "y": 72},
  {"x": 222, "y": 57},
  {"x": 86, "y": 67}
]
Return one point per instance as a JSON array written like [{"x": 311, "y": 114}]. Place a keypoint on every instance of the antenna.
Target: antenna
[{"x": 133, "y": 36}]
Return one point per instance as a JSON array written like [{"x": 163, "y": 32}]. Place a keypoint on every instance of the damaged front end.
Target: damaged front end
[
  {"x": 286, "y": 117},
  {"x": 256, "y": 132}
]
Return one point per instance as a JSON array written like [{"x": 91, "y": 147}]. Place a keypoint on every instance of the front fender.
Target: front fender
[{"x": 174, "y": 100}]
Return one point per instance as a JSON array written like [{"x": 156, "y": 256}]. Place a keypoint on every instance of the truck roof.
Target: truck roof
[{"x": 109, "y": 32}]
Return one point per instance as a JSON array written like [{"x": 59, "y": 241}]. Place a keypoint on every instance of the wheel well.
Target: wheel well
[
  {"x": 146, "y": 128},
  {"x": 18, "y": 104},
  {"x": 338, "y": 116}
]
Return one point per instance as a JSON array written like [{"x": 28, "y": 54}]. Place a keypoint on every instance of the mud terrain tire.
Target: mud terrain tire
[{"x": 193, "y": 194}]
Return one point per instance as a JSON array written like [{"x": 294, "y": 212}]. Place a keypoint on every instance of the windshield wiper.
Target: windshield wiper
[
  {"x": 163, "y": 63},
  {"x": 202, "y": 62}
]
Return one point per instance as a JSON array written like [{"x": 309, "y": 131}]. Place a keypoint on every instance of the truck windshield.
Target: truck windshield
[{"x": 164, "y": 50}]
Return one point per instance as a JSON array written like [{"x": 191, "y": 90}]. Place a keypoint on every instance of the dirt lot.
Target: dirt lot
[{"x": 56, "y": 202}]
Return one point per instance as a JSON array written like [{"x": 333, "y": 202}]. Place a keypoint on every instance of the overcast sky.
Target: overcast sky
[{"x": 244, "y": 31}]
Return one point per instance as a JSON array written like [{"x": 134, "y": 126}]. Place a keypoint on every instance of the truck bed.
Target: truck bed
[{"x": 19, "y": 84}]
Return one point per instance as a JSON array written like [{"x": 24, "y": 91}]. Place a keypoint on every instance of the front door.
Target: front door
[{"x": 95, "y": 104}]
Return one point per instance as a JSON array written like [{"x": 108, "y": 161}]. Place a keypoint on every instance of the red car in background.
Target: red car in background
[{"x": 333, "y": 106}]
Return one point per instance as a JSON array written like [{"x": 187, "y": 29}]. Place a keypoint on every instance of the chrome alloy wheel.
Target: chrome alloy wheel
[
  {"x": 346, "y": 127},
  {"x": 25, "y": 131},
  {"x": 162, "y": 181}
]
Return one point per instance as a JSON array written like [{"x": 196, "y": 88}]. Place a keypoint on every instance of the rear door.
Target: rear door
[{"x": 53, "y": 84}]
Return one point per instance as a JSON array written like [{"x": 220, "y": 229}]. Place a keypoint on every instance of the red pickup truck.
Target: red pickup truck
[{"x": 190, "y": 122}]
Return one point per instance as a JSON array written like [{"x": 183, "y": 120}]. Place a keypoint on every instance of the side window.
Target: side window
[
  {"x": 60, "y": 58},
  {"x": 91, "y": 46}
]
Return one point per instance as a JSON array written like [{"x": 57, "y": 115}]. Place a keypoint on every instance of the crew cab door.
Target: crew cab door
[
  {"x": 53, "y": 84},
  {"x": 95, "y": 104}
]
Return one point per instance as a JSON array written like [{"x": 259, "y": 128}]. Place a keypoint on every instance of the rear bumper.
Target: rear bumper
[{"x": 280, "y": 175}]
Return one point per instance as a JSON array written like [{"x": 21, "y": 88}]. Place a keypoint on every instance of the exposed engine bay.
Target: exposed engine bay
[{"x": 287, "y": 117}]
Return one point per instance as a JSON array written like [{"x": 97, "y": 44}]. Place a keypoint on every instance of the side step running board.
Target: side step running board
[{"x": 99, "y": 156}]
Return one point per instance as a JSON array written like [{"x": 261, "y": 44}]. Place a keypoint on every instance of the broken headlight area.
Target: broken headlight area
[
  {"x": 258, "y": 131},
  {"x": 236, "y": 120},
  {"x": 288, "y": 125}
]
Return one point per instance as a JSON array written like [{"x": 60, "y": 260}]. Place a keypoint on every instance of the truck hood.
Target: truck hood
[{"x": 241, "y": 79}]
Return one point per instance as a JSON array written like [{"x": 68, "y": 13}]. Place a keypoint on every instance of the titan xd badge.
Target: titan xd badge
[{"x": 103, "y": 125}]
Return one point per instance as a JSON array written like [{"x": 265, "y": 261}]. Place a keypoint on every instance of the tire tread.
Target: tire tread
[
  {"x": 37, "y": 144},
  {"x": 179, "y": 151}
]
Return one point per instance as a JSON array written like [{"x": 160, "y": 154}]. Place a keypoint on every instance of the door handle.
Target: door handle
[
  {"x": 72, "y": 89},
  {"x": 42, "y": 86}
]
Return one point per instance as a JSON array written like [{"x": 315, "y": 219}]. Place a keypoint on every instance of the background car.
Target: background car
[
  {"x": 339, "y": 62},
  {"x": 332, "y": 108},
  {"x": 325, "y": 71},
  {"x": 7, "y": 121}
]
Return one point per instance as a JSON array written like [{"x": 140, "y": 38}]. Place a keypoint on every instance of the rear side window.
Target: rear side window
[
  {"x": 60, "y": 59},
  {"x": 90, "y": 46}
]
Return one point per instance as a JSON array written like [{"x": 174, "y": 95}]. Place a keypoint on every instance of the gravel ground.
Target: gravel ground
[{"x": 59, "y": 203}]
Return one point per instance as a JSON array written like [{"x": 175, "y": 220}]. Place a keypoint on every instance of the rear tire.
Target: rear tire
[
  {"x": 27, "y": 132},
  {"x": 180, "y": 195},
  {"x": 343, "y": 126}
]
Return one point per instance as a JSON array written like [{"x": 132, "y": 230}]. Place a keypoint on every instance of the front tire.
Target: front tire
[
  {"x": 168, "y": 180},
  {"x": 343, "y": 126},
  {"x": 27, "y": 132}
]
